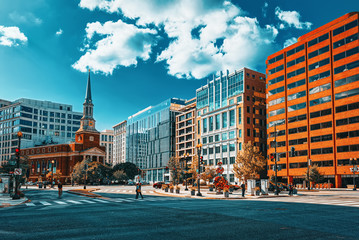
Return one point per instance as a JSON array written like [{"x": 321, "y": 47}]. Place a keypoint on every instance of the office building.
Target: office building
[
  {"x": 313, "y": 102},
  {"x": 41, "y": 122},
  {"x": 230, "y": 112},
  {"x": 150, "y": 138},
  {"x": 106, "y": 140},
  {"x": 119, "y": 143}
]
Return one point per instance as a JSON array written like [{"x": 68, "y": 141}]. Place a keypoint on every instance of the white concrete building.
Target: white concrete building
[
  {"x": 106, "y": 140},
  {"x": 119, "y": 143}
]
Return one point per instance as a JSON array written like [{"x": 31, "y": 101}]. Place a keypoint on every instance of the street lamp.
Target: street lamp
[
  {"x": 186, "y": 158},
  {"x": 17, "y": 151},
  {"x": 308, "y": 167},
  {"x": 199, "y": 148},
  {"x": 52, "y": 173},
  {"x": 275, "y": 160},
  {"x": 353, "y": 162}
]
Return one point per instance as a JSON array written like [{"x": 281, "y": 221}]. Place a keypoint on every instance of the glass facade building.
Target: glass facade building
[{"x": 150, "y": 138}]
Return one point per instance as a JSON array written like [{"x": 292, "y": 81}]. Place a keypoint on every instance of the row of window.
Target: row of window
[
  {"x": 277, "y": 101},
  {"x": 297, "y": 118},
  {"x": 345, "y": 54},
  {"x": 322, "y": 138},
  {"x": 276, "y": 80},
  {"x": 295, "y": 50},
  {"x": 346, "y": 67},
  {"x": 348, "y": 148},
  {"x": 297, "y": 95},
  {"x": 346, "y": 80},
  {"x": 349, "y": 134},
  {"x": 347, "y": 107},
  {"x": 279, "y": 133},
  {"x": 275, "y": 59},
  {"x": 318, "y": 151},
  {"x": 295, "y": 61},
  {"x": 298, "y": 141},
  {"x": 297, "y": 107},
  {"x": 296, "y": 72},
  {"x": 318, "y": 64},
  {"x": 320, "y": 101},
  {"x": 346, "y": 121},
  {"x": 275, "y": 91},
  {"x": 345, "y": 40},
  {"x": 318, "y": 52},
  {"x": 349, "y": 93},
  {"x": 297, "y": 130},
  {"x": 277, "y": 123},
  {"x": 276, "y": 69},
  {"x": 319, "y": 76},
  {"x": 321, "y": 113},
  {"x": 276, "y": 112},
  {"x": 296, "y": 84},
  {"x": 345, "y": 27},
  {"x": 320, "y": 126},
  {"x": 320, "y": 88},
  {"x": 318, "y": 40}
]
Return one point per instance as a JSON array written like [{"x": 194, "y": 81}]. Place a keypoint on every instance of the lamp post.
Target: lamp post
[
  {"x": 86, "y": 167},
  {"x": 353, "y": 162},
  {"x": 199, "y": 148},
  {"x": 309, "y": 163},
  {"x": 19, "y": 136},
  {"x": 52, "y": 173},
  {"x": 185, "y": 158},
  {"x": 275, "y": 160}
]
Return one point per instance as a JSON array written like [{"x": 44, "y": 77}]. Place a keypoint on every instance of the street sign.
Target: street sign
[{"x": 17, "y": 171}]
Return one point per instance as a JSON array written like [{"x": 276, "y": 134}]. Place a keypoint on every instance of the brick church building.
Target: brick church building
[{"x": 61, "y": 158}]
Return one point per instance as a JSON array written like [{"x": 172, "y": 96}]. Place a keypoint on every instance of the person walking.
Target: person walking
[
  {"x": 138, "y": 190},
  {"x": 243, "y": 186},
  {"x": 290, "y": 189},
  {"x": 59, "y": 186}
]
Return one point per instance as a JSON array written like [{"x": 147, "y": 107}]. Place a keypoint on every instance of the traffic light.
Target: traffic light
[
  {"x": 17, "y": 152},
  {"x": 201, "y": 160},
  {"x": 272, "y": 157},
  {"x": 292, "y": 151}
]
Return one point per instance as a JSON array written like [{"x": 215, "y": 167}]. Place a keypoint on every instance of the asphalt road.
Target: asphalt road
[{"x": 120, "y": 216}]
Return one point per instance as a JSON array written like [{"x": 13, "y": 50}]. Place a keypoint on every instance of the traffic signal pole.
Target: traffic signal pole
[
  {"x": 19, "y": 136},
  {"x": 276, "y": 159}
]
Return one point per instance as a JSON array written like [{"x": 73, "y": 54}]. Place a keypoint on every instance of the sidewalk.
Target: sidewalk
[{"x": 7, "y": 201}]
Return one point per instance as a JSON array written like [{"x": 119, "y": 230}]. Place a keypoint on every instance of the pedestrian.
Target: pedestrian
[
  {"x": 138, "y": 190},
  {"x": 290, "y": 189},
  {"x": 243, "y": 186},
  {"x": 59, "y": 186}
]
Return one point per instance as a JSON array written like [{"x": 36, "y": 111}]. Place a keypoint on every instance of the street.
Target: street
[{"x": 120, "y": 216}]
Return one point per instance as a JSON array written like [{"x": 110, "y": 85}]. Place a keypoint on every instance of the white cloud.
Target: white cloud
[
  {"x": 25, "y": 18},
  {"x": 121, "y": 44},
  {"x": 205, "y": 36},
  {"x": 265, "y": 9},
  {"x": 289, "y": 42},
  {"x": 59, "y": 32},
  {"x": 11, "y": 36},
  {"x": 291, "y": 19}
]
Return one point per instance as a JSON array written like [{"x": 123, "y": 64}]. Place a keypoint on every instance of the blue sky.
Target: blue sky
[{"x": 141, "y": 52}]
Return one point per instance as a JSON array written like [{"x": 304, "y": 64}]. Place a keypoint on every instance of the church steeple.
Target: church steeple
[{"x": 87, "y": 120}]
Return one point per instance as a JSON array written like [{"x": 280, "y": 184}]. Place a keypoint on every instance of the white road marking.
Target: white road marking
[
  {"x": 72, "y": 201},
  {"x": 30, "y": 204},
  {"x": 45, "y": 203},
  {"x": 99, "y": 200},
  {"x": 59, "y": 202},
  {"x": 87, "y": 201}
]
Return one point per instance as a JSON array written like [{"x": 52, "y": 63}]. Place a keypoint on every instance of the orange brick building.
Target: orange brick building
[
  {"x": 313, "y": 102},
  {"x": 63, "y": 157}
]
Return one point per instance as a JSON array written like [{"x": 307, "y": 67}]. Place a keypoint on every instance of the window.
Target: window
[
  {"x": 295, "y": 50},
  {"x": 277, "y": 101},
  {"x": 275, "y": 91},
  {"x": 204, "y": 124},
  {"x": 275, "y": 59},
  {"x": 346, "y": 121},
  {"x": 239, "y": 115},
  {"x": 319, "y": 76},
  {"x": 277, "y": 122},
  {"x": 216, "y": 138},
  {"x": 348, "y": 148},
  {"x": 276, "y": 69},
  {"x": 349, "y": 93},
  {"x": 318, "y": 40},
  {"x": 224, "y": 120},
  {"x": 224, "y": 136},
  {"x": 276, "y": 112},
  {"x": 224, "y": 148},
  {"x": 295, "y": 61},
  {"x": 279, "y": 133},
  {"x": 297, "y": 118},
  {"x": 296, "y": 95},
  {"x": 298, "y": 141},
  {"x": 210, "y": 139},
  {"x": 276, "y": 80},
  {"x": 322, "y": 138},
  {"x": 321, "y": 113},
  {"x": 345, "y": 54},
  {"x": 240, "y": 132},
  {"x": 345, "y": 27},
  {"x": 297, "y": 130},
  {"x": 248, "y": 120},
  {"x": 346, "y": 67},
  {"x": 232, "y": 160},
  {"x": 318, "y": 52},
  {"x": 248, "y": 109},
  {"x": 218, "y": 149},
  {"x": 297, "y": 107},
  {"x": 319, "y": 88},
  {"x": 320, "y": 101},
  {"x": 248, "y": 132},
  {"x": 320, "y": 126},
  {"x": 348, "y": 107},
  {"x": 322, "y": 151},
  {"x": 231, "y": 118},
  {"x": 296, "y": 72},
  {"x": 210, "y": 124},
  {"x": 232, "y": 147},
  {"x": 296, "y": 84},
  {"x": 204, "y": 140},
  {"x": 345, "y": 40},
  {"x": 349, "y": 134},
  {"x": 319, "y": 64},
  {"x": 346, "y": 80},
  {"x": 218, "y": 121},
  {"x": 240, "y": 146}
]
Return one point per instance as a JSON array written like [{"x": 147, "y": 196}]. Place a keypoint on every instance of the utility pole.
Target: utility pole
[
  {"x": 276, "y": 159},
  {"x": 199, "y": 148},
  {"x": 309, "y": 163}
]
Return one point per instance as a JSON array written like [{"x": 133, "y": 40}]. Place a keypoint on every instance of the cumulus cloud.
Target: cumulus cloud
[
  {"x": 11, "y": 36},
  {"x": 25, "y": 18},
  {"x": 120, "y": 44},
  {"x": 289, "y": 42},
  {"x": 59, "y": 32},
  {"x": 291, "y": 19},
  {"x": 204, "y": 36}
]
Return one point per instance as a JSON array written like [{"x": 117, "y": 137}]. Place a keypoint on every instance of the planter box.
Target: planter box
[
  {"x": 226, "y": 194},
  {"x": 193, "y": 193},
  {"x": 177, "y": 191}
]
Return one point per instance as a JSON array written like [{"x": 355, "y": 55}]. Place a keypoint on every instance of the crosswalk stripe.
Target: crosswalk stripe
[
  {"x": 87, "y": 201},
  {"x": 30, "y": 204},
  {"x": 99, "y": 200},
  {"x": 59, "y": 202},
  {"x": 72, "y": 201},
  {"x": 45, "y": 203}
]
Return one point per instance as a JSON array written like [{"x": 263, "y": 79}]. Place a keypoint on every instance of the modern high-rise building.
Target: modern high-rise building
[
  {"x": 106, "y": 140},
  {"x": 150, "y": 138},
  {"x": 230, "y": 112},
  {"x": 119, "y": 143},
  {"x": 186, "y": 130},
  {"x": 41, "y": 122},
  {"x": 313, "y": 102}
]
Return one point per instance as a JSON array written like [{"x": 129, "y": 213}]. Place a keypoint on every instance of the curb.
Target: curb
[
  {"x": 91, "y": 195},
  {"x": 5, "y": 205}
]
